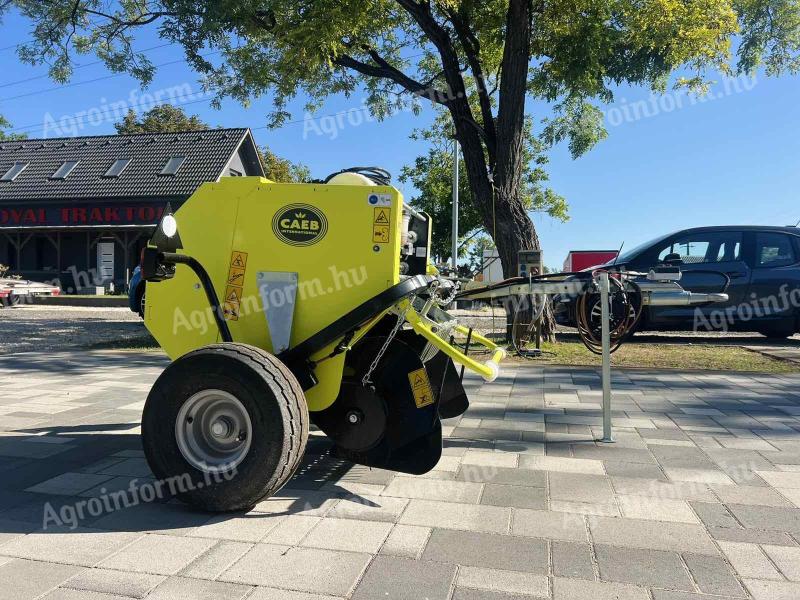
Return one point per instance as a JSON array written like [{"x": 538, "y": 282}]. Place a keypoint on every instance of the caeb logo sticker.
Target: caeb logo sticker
[{"x": 299, "y": 224}]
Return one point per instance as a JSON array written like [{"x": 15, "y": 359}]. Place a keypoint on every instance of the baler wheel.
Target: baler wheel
[{"x": 225, "y": 426}]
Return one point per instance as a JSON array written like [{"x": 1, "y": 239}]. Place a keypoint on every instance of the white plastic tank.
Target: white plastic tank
[{"x": 351, "y": 179}]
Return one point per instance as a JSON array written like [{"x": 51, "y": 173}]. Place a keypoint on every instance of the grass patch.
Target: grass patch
[
  {"x": 574, "y": 353},
  {"x": 670, "y": 356}
]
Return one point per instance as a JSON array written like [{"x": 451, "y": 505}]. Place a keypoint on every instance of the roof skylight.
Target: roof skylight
[
  {"x": 173, "y": 164},
  {"x": 65, "y": 169},
  {"x": 14, "y": 171},
  {"x": 118, "y": 167}
]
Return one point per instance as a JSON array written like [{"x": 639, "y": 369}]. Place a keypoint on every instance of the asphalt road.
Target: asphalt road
[{"x": 29, "y": 328}]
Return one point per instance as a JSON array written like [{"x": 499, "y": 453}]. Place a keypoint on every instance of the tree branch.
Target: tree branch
[
  {"x": 440, "y": 37},
  {"x": 143, "y": 19},
  {"x": 472, "y": 49},
  {"x": 384, "y": 70},
  {"x": 513, "y": 89}
]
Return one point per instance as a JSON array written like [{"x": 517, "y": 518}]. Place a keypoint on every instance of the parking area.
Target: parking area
[
  {"x": 39, "y": 328},
  {"x": 699, "y": 498}
]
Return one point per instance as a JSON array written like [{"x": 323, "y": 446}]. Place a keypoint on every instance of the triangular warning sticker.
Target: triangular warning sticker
[
  {"x": 381, "y": 216},
  {"x": 238, "y": 259},
  {"x": 232, "y": 297}
]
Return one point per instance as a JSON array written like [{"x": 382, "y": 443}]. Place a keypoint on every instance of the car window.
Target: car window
[
  {"x": 729, "y": 250},
  {"x": 702, "y": 248},
  {"x": 634, "y": 253},
  {"x": 774, "y": 250}
]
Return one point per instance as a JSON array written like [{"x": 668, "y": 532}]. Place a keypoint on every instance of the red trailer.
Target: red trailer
[{"x": 578, "y": 260}]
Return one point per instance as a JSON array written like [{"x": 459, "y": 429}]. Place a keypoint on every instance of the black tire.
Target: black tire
[
  {"x": 777, "y": 332},
  {"x": 140, "y": 300},
  {"x": 276, "y": 407},
  {"x": 10, "y": 300}
]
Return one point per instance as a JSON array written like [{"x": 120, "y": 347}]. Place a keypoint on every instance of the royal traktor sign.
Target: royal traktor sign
[{"x": 81, "y": 215}]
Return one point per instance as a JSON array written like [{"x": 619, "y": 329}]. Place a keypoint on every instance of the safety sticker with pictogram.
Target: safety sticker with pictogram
[
  {"x": 380, "y": 216},
  {"x": 380, "y": 234},
  {"x": 234, "y": 285},
  {"x": 239, "y": 259},
  {"x": 233, "y": 299},
  {"x": 421, "y": 388},
  {"x": 236, "y": 276},
  {"x": 380, "y": 225}
]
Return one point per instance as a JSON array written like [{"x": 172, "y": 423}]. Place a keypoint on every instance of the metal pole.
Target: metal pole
[
  {"x": 455, "y": 205},
  {"x": 606, "y": 344}
]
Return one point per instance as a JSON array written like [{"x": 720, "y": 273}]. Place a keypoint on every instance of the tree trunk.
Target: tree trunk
[
  {"x": 502, "y": 208},
  {"x": 514, "y": 232},
  {"x": 497, "y": 193},
  {"x": 512, "y": 229}
]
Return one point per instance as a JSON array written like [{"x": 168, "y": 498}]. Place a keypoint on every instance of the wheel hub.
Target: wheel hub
[
  {"x": 213, "y": 431},
  {"x": 221, "y": 428}
]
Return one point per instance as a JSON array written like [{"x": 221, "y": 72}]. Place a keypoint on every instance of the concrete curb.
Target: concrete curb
[{"x": 96, "y": 301}]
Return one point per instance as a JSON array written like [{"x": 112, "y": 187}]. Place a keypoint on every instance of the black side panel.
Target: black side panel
[
  {"x": 394, "y": 429},
  {"x": 418, "y": 265},
  {"x": 446, "y": 383},
  {"x": 453, "y": 399}
]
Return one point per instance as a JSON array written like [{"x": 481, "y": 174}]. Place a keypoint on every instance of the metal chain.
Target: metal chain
[{"x": 401, "y": 318}]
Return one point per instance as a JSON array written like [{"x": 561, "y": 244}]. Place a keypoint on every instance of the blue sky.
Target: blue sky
[{"x": 668, "y": 163}]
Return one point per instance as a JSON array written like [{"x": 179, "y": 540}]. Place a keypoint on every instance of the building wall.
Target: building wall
[
  {"x": 73, "y": 251},
  {"x": 39, "y": 257},
  {"x": 236, "y": 164},
  {"x": 27, "y": 214},
  {"x": 5, "y": 248}
]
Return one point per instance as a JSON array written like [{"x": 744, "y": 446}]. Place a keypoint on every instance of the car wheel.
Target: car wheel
[
  {"x": 141, "y": 301},
  {"x": 13, "y": 300},
  {"x": 777, "y": 332},
  {"x": 227, "y": 421}
]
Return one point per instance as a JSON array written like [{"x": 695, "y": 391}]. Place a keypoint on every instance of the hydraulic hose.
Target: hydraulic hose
[
  {"x": 377, "y": 174},
  {"x": 625, "y": 314}
]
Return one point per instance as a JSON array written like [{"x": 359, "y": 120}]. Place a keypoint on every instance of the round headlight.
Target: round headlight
[{"x": 169, "y": 226}]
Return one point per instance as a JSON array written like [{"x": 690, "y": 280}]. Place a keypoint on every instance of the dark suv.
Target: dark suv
[{"x": 763, "y": 264}]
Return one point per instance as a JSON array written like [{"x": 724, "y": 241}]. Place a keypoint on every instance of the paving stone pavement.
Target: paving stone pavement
[
  {"x": 783, "y": 352},
  {"x": 699, "y": 498}
]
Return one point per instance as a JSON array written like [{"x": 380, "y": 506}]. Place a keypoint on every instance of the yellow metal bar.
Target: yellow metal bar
[
  {"x": 489, "y": 370},
  {"x": 478, "y": 338}
]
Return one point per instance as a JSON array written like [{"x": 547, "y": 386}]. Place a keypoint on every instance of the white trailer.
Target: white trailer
[{"x": 12, "y": 291}]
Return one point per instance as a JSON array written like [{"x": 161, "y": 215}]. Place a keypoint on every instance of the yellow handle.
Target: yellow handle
[{"x": 489, "y": 370}]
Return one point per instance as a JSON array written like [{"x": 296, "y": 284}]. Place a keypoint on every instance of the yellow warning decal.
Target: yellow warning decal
[
  {"x": 380, "y": 234},
  {"x": 236, "y": 276},
  {"x": 235, "y": 285},
  {"x": 380, "y": 216},
  {"x": 233, "y": 294},
  {"x": 380, "y": 225},
  {"x": 239, "y": 259},
  {"x": 421, "y": 388},
  {"x": 233, "y": 299}
]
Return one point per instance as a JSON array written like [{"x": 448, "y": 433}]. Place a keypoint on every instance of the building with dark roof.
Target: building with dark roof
[{"x": 87, "y": 205}]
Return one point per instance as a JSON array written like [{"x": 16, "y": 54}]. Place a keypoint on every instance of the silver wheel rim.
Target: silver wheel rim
[{"x": 213, "y": 431}]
